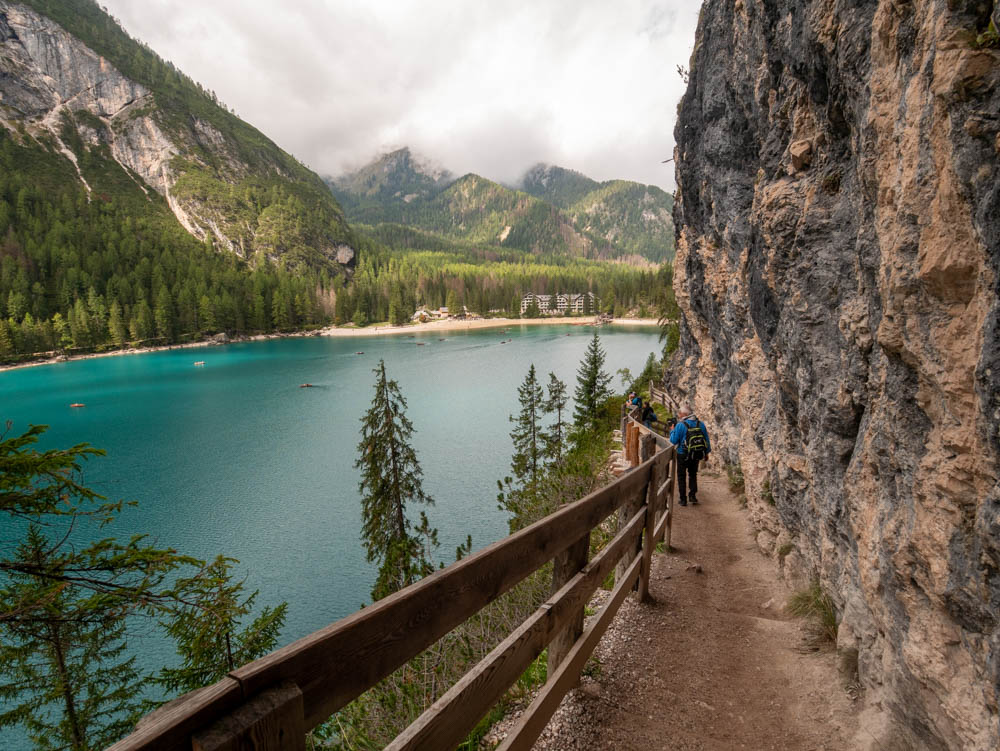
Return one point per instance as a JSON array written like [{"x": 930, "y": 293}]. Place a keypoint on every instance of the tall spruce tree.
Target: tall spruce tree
[
  {"x": 64, "y": 674},
  {"x": 591, "y": 386},
  {"x": 207, "y": 631},
  {"x": 526, "y": 463},
  {"x": 554, "y": 436},
  {"x": 390, "y": 479},
  {"x": 63, "y": 607}
]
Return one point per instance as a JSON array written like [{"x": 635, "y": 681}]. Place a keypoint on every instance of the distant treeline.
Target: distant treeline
[{"x": 390, "y": 285}]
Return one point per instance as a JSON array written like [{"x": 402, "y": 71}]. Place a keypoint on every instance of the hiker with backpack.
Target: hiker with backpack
[{"x": 690, "y": 436}]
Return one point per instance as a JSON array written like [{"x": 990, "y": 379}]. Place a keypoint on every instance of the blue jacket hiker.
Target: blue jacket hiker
[{"x": 690, "y": 436}]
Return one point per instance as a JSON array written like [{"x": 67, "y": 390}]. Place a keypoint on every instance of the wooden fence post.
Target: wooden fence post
[
  {"x": 272, "y": 721},
  {"x": 674, "y": 466},
  {"x": 648, "y": 543},
  {"x": 565, "y": 566}
]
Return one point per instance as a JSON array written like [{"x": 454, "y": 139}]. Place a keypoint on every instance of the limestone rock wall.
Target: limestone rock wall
[{"x": 838, "y": 215}]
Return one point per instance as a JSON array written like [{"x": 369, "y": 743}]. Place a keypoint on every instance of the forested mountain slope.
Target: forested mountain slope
[
  {"x": 557, "y": 185},
  {"x": 133, "y": 206},
  {"x": 837, "y": 272},
  {"x": 555, "y": 211},
  {"x": 75, "y": 84}
]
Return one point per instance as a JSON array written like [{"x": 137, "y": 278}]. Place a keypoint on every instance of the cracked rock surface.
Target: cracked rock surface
[{"x": 838, "y": 210}]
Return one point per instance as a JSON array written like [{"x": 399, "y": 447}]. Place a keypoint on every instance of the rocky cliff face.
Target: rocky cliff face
[
  {"x": 56, "y": 90},
  {"x": 838, "y": 167}
]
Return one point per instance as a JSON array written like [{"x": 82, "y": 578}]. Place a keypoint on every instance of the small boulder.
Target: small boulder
[{"x": 802, "y": 154}]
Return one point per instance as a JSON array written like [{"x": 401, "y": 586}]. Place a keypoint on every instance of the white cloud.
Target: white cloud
[{"x": 489, "y": 87}]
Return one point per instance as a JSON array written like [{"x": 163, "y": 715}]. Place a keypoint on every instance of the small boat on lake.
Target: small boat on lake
[
  {"x": 305, "y": 385},
  {"x": 359, "y": 353},
  {"x": 421, "y": 344},
  {"x": 199, "y": 362},
  {"x": 78, "y": 404}
]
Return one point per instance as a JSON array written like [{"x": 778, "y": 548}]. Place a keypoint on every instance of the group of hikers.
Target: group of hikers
[{"x": 689, "y": 435}]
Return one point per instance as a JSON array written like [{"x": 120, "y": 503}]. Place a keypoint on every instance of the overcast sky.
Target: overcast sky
[{"x": 486, "y": 86}]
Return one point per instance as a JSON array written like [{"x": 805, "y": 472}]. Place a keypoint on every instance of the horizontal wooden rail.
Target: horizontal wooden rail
[{"x": 320, "y": 673}]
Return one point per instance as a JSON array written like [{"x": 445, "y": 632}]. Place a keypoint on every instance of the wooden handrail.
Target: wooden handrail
[{"x": 304, "y": 683}]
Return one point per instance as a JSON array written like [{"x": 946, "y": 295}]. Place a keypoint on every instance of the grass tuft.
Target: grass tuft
[
  {"x": 734, "y": 473},
  {"x": 766, "y": 493},
  {"x": 816, "y": 606}
]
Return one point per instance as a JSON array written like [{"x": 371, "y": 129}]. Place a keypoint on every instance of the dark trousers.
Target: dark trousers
[{"x": 687, "y": 469}]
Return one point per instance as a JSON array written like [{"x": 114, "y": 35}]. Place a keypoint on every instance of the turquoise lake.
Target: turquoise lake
[{"x": 234, "y": 458}]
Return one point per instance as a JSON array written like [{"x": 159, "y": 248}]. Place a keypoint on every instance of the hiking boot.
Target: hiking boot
[
  {"x": 694, "y": 501},
  {"x": 683, "y": 502}
]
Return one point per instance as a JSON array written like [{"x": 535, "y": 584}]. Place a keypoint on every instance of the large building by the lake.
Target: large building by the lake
[{"x": 585, "y": 302}]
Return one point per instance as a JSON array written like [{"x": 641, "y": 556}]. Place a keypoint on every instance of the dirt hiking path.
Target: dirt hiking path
[{"x": 714, "y": 663}]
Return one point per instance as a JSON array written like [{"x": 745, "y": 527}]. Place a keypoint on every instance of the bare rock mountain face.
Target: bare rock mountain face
[
  {"x": 838, "y": 167},
  {"x": 222, "y": 179}
]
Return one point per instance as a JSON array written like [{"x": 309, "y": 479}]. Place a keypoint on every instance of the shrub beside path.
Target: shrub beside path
[{"x": 714, "y": 663}]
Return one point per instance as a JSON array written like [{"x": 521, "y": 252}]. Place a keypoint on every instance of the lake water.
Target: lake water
[{"x": 234, "y": 458}]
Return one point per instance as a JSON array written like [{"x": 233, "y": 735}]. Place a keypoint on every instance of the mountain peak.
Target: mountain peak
[
  {"x": 395, "y": 175},
  {"x": 558, "y": 185}
]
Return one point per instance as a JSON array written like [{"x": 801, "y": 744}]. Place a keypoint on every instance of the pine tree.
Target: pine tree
[
  {"x": 141, "y": 326},
  {"x": 63, "y": 607},
  {"x": 67, "y": 682},
  {"x": 526, "y": 462},
  {"x": 207, "y": 631},
  {"x": 390, "y": 478},
  {"x": 206, "y": 315},
  {"x": 554, "y": 437},
  {"x": 591, "y": 386},
  {"x": 6, "y": 340},
  {"x": 116, "y": 326},
  {"x": 163, "y": 314}
]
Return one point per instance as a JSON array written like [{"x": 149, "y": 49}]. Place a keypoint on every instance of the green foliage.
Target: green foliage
[
  {"x": 635, "y": 219},
  {"x": 483, "y": 279},
  {"x": 591, "y": 386},
  {"x": 207, "y": 629},
  {"x": 84, "y": 275},
  {"x": 559, "y": 186},
  {"x": 390, "y": 479},
  {"x": 559, "y": 211},
  {"x": 64, "y": 675},
  {"x": 651, "y": 372},
  {"x": 63, "y": 605},
  {"x": 785, "y": 549},
  {"x": 734, "y": 474},
  {"x": 816, "y": 606},
  {"x": 765, "y": 493},
  {"x": 528, "y": 456},
  {"x": 990, "y": 37},
  {"x": 668, "y": 312},
  {"x": 555, "y": 403}
]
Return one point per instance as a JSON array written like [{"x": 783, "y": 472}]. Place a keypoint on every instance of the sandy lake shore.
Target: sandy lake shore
[
  {"x": 349, "y": 331},
  {"x": 483, "y": 323}
]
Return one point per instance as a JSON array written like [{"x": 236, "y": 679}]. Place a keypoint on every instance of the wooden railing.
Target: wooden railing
[
  {"x": 661, "y": 396},
  {"x": 271, "y": 703}
]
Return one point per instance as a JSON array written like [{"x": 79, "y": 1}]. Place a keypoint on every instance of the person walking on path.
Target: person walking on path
[{"x": 690, "y": 436}]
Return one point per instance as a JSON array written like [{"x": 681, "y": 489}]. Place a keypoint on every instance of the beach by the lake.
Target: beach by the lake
[
  {"x": 451, "y": 324},
  {"x": 441, "y": 326}
]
